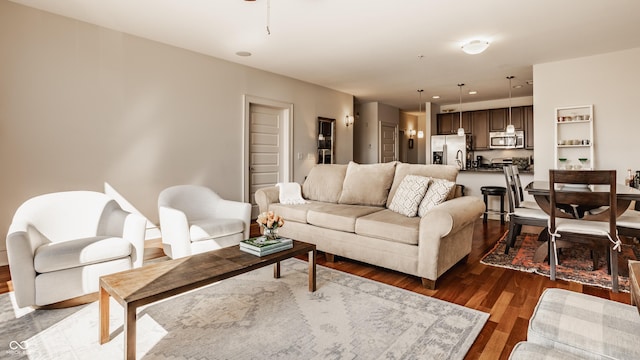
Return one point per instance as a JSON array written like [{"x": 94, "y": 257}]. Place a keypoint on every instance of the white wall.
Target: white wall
[
  {"x": 609, "y": 82},
  {"x": 82, "y": 105}
]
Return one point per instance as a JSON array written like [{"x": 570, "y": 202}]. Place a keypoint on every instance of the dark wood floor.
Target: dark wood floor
[{"x": 509, "y": 296}]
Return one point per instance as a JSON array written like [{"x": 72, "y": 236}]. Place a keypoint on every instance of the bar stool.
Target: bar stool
[{"x": 493, "y": 191}]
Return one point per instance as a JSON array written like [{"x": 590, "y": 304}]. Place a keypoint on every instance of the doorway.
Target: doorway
[{"x": 267, "y": 145}]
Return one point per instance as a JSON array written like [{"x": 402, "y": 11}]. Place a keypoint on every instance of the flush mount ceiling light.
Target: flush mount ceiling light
[
  {"x": 435, "y": 97},
  {"x": 473, "y": 92},
  {"x": 243, "y": 53},
  {"x": 474, "y": 47}
]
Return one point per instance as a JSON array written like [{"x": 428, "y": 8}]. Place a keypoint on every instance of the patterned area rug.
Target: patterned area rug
[
  {"x": 576, "y": 263},
  {"x": 255, "y": 316}
]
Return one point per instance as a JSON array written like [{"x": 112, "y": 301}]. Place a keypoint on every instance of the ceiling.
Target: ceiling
[{"x": 378, "y": 50}]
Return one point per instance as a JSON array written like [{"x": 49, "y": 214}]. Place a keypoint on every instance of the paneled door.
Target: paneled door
[
  {"x": 268, "y": 148},
  {"x": 388, "y": 142}
]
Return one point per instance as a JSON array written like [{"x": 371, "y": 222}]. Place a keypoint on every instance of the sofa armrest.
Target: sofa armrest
[
  {"x": 21, "y": 250},
  {"x": 452, "y": 215},
  {"x": 440, "y": 222},
  {"x": 230, "y": 209},
  {"x": 267, "y": 196},
  {"x": 174, "y": 226},
  {"x": 135, "y": 227}
]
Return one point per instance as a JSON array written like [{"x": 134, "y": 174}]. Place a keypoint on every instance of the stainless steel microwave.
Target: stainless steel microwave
[{"x": 503, "y": 140}]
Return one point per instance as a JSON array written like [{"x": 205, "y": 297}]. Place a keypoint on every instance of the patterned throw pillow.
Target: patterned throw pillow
[
  {"x": 409, "y": 194},
  {"x": 438, "y": 192}
]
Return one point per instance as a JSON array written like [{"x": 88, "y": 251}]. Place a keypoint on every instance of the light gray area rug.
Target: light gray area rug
[{"x": 255, "y": 316}]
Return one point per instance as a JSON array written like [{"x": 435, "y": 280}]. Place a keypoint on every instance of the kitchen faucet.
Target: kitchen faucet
[{"x": 459, "y": 159}]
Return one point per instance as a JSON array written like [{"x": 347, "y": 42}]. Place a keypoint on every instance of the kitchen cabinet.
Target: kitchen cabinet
[
  {"x": 499, "y": 118},
  {"x": 574, "y": 137},
  {"x": 528, "y": 127},
  {"x": 449, "y": 123},
  {"x": 480, "y": 130}
]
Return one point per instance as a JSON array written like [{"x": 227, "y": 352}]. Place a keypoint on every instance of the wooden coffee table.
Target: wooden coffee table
[{"x": 137, "y": 287}]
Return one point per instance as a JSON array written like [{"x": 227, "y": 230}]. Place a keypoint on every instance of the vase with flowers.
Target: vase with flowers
[{"x": 270, "y": 223}]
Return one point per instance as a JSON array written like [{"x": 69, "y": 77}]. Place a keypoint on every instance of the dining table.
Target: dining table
[{"x": 539, "y": 189}]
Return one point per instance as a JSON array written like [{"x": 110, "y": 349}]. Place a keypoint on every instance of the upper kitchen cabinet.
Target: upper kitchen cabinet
[
  {"x": 480, "y": 130},
  {"x": 499, "y": 118},
  {"x": 449, "y": 123},
  {"x": 528, "y": 127}
]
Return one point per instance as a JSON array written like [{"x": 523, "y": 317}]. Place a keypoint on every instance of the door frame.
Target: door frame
[{"x": 287, "y": 145}]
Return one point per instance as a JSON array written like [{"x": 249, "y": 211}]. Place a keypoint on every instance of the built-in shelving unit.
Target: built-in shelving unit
[{"x": 574, "y": 141}]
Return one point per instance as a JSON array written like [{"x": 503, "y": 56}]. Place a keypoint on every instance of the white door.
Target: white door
[
  {"x": 267, "y": 146},
  {"x": 388, "y": 142}
]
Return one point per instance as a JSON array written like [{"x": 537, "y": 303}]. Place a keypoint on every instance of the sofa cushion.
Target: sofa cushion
[
  {"x": 297, "y": 213},
  {"x": 409, "y": 195},
  {"x": 447, "y": 172},
  {"x": 68, "y": 254},
  {"x": 585, "y": 325},
  {"x": 438, "y": 192},
  {"x": 338, "y": 216},
  {"x": 389, "y": 225},
  {"x": 213, "y": 228},
  {"x": 324, "y": 183},
  {"x": 367, "y": 184}
]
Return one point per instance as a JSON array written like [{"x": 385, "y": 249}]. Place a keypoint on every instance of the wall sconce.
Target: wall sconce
[
  {"x": 411, "y": 133},
  {"x": 420, "y": 134},
  {"x": 348, "y": 120}
]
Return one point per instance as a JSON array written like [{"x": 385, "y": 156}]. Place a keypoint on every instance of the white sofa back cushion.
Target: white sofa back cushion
[
  {"x": 324, "y": 183},
  {"x": 367, "y": 184}
]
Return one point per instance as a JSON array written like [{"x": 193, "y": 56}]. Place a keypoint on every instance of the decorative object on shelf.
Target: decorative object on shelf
[
  {"x": 510, "y": 128},
  {"x": 574, "y": 137},
  {"x": 474, "y": 47},
  {"x": 270, "y": 222},
  {"x": 460, "y": 129}
]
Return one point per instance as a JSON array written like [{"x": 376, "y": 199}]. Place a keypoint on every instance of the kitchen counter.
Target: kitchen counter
[
  {"x": 472, "y": 182},
  {"x": 493, "y": 170}
]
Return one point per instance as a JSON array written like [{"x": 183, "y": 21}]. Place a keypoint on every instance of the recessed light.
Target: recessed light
[
  {"x": 517, "y": 86},
  {"x": 435, "y": 97},
  {"x": 243, "y": 53},
  {"x": 472, "y": 92}
]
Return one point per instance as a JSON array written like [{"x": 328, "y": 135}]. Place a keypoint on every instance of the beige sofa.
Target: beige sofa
[{"x": 347, "y": 213}]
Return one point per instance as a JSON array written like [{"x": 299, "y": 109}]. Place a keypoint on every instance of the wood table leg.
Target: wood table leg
[
  {"x": 312, "y": 270},
  {"x": 130, "y": 332},
  {"x": 276, "y": 270},
  {"x": 103, "y": 325}
]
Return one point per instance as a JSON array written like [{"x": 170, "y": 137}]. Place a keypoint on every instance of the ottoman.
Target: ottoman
[{"x": 585, "y": 326}]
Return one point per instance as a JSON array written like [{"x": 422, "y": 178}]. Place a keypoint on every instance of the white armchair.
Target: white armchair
[
  {"x": 59, "y": 245},
  {"x": 194, "y": 219}
]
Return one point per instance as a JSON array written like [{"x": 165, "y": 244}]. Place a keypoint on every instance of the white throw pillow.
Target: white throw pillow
[
  {"x": 409, "y": 195},
  {"x": 438, "y": 192}
]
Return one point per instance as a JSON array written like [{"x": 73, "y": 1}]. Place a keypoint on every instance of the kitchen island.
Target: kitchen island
[{"x": 474, "y": 179}]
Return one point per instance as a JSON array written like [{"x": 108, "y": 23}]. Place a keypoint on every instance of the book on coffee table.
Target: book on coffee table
[{"x": 260, "y": 246}]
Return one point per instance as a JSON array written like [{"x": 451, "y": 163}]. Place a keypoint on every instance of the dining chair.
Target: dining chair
[
  {"x": 588, "y": 188},
  {"x": 519, "y": 215},
  {"x": 519, "y": 200},
  {"x": 629, "y": 222}
]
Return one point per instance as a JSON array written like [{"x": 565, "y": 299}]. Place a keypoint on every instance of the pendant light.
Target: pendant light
[
  {"x": 510, "y": 128},
  {"x": 460, "y": 129}
]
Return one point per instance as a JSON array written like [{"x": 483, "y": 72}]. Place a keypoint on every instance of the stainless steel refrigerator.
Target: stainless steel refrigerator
[{"x": 450, "y": 150}]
